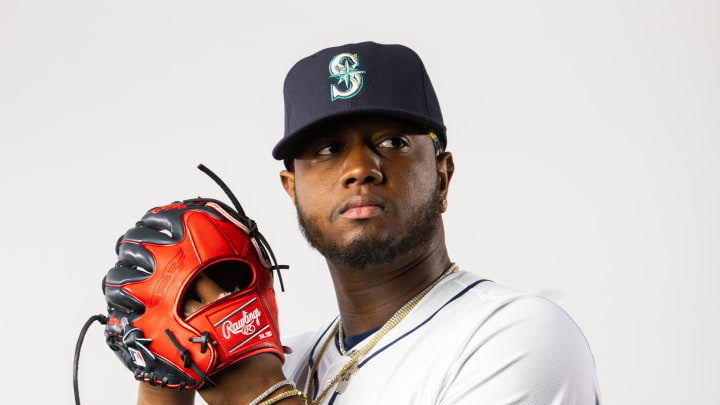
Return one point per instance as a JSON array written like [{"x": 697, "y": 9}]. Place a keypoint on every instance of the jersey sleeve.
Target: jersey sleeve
[{"x": 526, "y": 351}]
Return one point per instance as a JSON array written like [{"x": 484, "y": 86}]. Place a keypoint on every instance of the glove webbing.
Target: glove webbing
[
  {"x": 240, "y": 215},
  {"x": 187, "y": 360}
]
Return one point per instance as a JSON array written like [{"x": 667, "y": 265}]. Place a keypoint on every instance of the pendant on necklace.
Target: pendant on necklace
[{"x": 345, "y": 378}]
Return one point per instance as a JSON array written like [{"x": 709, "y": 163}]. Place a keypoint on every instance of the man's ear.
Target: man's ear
[
  {"x": 445, "y": 170},
  {"x": 288, "y": 182}
]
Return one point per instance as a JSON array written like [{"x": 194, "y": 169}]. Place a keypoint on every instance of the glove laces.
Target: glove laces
[{"x": 76, "y": 360}]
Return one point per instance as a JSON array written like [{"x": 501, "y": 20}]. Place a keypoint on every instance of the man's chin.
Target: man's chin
[
  {"x": 363, "y": 232},
  {"x": 360, "y": 252}
]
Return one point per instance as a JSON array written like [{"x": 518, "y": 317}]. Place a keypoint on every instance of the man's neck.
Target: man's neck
[{"x": 368, "y": 297}]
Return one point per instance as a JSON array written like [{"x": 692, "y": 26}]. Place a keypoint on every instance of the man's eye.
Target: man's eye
[
  {"x": 329, "y": 150},
  {"x": 394, "y": 143}
]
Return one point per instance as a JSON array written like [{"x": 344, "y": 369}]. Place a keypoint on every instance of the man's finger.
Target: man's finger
[
  {"x": 190, "y": 305},
  {"x": 207, "y": 290}
]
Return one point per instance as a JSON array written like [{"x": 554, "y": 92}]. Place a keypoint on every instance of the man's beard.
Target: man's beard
[{"x": 364, "y": 250}]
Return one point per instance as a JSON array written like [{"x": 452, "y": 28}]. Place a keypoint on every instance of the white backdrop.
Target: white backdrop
[{"x": 586, "y": 138}]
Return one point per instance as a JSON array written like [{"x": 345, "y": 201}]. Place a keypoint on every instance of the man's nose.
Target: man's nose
[{"x": 362, "y": 165}]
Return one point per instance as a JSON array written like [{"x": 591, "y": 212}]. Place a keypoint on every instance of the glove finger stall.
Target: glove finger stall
[
  {"x": 133, "y": 254},
  {"x": 168, "y": 217},
  {"x": 118, "y": 298},
  {"x": 148, "y": 235},
  {"x": 122, "y": 274}
]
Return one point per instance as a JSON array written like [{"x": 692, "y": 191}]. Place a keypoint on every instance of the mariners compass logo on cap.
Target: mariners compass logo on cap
[{"x": 343, "y": 67}]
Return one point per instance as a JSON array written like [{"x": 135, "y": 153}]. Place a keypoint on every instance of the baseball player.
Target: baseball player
[{"x": 368, "y": 172}]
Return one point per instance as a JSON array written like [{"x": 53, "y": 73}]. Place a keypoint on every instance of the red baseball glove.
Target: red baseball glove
[{"x": 158, "y": 260}]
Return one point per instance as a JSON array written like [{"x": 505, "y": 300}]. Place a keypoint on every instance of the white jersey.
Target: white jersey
[{"x": 468, "y": 341}]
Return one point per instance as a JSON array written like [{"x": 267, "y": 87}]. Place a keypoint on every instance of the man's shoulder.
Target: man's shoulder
[
  {"x": 484, "y": 298},
  {"x": 490, "y": 307},
  {"x": 510, "y": 338}
]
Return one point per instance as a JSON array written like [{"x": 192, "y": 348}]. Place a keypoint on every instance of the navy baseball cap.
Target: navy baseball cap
[{"x": 356, "y": 78}]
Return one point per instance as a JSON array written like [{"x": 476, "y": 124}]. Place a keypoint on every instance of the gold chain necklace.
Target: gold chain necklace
[
  {"x": 341, "y": 338},
  {"x": 391, "y": 323}
]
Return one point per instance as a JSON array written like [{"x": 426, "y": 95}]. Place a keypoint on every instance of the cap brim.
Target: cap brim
[{"x": 290, "y": 145}]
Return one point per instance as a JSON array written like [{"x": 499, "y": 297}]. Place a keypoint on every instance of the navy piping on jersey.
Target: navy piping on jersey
[
  {"x": 312, "y": 352},
  {"x": 316, "y": 383},
  {"x": 362, "y": 363}
]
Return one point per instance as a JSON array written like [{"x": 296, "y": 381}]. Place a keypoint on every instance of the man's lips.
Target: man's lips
[{"x": 361, "y": 207}]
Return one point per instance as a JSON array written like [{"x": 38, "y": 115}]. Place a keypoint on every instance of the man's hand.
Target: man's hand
[
  {"x": 240, "y": 383},
  {"x": 246, "y": 380},
  {"x": 152, "y": 395}
]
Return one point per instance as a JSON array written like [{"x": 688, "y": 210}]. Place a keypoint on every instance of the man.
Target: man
[{"x": 367, "y": 170}]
